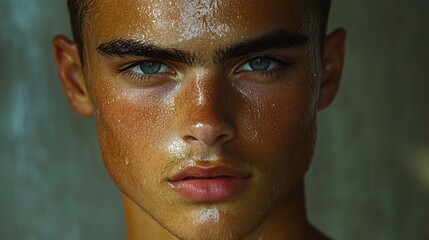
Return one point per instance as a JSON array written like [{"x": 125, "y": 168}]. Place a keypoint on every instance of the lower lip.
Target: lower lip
[{"x": 210, "y": 189}]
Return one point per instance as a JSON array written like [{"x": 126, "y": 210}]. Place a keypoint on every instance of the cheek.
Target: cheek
[
  {"x": 128, "y": 129},
  {"x": 283, "y": 130}
]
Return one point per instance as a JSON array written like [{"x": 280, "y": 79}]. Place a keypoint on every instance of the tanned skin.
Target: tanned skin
[{"x": 230, "y": 89}]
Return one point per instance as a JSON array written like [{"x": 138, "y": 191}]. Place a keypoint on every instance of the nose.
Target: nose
[
  {"x": 206, "y": 119},
  {"x": 208, "y": 133}
]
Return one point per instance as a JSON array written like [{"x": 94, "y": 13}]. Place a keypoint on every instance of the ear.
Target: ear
[
  {"x": 333, "y": 61},
  {"x": 69, "y": 67}
]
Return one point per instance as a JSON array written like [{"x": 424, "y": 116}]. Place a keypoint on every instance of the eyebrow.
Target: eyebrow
[
  {"x": 129, "y": 47},
  {"x": 280, "y": 39}
]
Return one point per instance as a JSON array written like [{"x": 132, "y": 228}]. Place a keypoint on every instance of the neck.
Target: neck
[{"x": 287, "y": 221}]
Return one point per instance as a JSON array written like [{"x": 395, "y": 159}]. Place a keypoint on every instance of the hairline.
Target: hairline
[{"x": 79, "y": 10}]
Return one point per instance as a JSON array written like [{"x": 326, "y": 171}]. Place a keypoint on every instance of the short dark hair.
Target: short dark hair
[
  {"x": 325, "y": 8},
  {"x": 79, "y": 10}
]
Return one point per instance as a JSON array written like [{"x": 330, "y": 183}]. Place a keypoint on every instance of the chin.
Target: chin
[
  {"x": 226, "y": 221},
  {"x": 225, "y": 230}
]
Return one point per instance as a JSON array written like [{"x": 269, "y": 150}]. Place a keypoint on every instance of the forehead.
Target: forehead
[{"x": 196, "y": 22}]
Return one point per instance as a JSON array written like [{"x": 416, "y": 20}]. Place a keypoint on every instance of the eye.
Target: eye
[
  {"x": 150, "y": 67},
  {"x": 259, "y": 64}
]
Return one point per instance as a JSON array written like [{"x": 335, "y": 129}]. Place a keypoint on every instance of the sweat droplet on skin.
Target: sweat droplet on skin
[
  {"x": 190, "y": 163},
  {"x": 177, "y": 149},
  {"x": 207, "y": 215},
  {"x": 197, "y": 18}
]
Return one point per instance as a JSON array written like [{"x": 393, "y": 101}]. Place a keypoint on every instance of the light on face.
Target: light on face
[
  {"x": 177, "y": 148},
  {"x": 199, "y": 17},
  {"x": 206, "y": 216}
]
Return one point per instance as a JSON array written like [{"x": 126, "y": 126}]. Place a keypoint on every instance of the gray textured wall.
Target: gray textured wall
[
  {"x": 370, "y": 175},
  {"x": 52, "y": 181},
  {"x": 370, "y": 178}
]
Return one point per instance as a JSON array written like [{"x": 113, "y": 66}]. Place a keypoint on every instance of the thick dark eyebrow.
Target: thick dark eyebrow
[
  {"x": 129, "y": 47},
  {"x": 280, "y": 39}
]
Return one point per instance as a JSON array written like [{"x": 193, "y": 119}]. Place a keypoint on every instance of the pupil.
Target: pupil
[
  {"x": 150, "y": 67},
  {"x": 260, "y": 64}
]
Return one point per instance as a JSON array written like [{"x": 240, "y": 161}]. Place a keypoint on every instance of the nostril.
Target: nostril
[
  {"x": 224, "y": 137},
  {"x": 208, "y": 133},
  {"x": 190, "y": 139}
]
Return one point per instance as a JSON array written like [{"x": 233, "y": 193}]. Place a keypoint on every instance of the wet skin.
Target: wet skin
[{"x": 203, "y": 84}]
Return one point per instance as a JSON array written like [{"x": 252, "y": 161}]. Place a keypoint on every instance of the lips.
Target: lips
[{"x": 209, "y": 184}]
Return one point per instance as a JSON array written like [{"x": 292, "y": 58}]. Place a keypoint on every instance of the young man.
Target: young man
[{"x": 205, "y": 109}]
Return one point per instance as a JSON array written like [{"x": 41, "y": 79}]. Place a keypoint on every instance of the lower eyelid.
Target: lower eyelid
[{"x": 146, "y": 78}]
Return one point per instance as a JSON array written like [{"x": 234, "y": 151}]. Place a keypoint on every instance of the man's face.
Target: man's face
[{"x": 205, "y": 109}]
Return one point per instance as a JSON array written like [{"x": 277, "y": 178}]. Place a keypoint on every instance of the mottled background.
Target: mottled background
[{"x": 369, "y": 179}]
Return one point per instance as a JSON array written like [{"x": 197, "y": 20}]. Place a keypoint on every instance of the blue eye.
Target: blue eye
[
  {"x": 150, "y": 67},
  {"x": 259, "y": 64}
]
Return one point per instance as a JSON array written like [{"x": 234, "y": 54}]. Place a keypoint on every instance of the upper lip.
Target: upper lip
[{"x": 208, "y": 172}]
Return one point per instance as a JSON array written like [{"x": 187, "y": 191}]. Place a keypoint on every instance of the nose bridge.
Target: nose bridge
[
  {"x": 207, "y": 99},
  {"x": 203, "y": 116}
]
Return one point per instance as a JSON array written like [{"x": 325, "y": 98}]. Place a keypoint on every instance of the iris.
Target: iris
[
  {"x": 150, "y": 67},
  {"x": 260, "y": 64}
]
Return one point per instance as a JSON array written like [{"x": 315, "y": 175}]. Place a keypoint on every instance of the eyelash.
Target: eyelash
[
  {"x": 127, "y": 71},
  {"x": 272, "y": 73}
]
